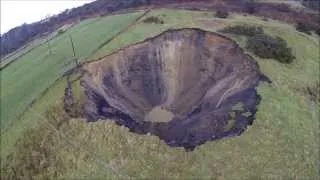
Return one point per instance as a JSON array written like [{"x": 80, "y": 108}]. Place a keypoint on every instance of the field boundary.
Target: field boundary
[
  {"x": 120, "y": 32},
  {"x": 5, "y": 64}
]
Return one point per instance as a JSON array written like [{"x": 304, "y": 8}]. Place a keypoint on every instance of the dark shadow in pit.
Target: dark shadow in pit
[{"x": 204, "y": 79}]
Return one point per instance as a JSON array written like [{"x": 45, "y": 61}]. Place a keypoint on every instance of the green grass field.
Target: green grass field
[
  {"x": 27, "y": 77},
  {"x": 281, "y": 144},
  {"x": 24, "y": 50}
]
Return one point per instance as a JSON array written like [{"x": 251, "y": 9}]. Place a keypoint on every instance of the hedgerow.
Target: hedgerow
[
  {"x": 245, "y": 30},
  {"x": 266, "y": 46}
]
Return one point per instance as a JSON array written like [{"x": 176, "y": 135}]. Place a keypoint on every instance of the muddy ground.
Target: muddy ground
[{"x": 185, "y": 86}]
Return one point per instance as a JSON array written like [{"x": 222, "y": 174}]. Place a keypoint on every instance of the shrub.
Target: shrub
[
  {"x": 250, "y": 7},
  {"x": 245, "y": 30},
  {"x": 266, "y": 46},
  {"x": 318, "y": 31},
  {"x": 314, "y": 91},
  {"x": 302, "y": 27},
  {"x": 36, "y": 154},
  {"x": 153, "y": 19},
  {"x": 283, "y": 7},
  {"x": 221, "y": 14},
  {"x": 194, "y": 9},
  {"x": 60, "y": 31}
]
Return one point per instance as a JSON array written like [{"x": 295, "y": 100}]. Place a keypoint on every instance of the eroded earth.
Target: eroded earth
[{"x": 186, "y": 86}]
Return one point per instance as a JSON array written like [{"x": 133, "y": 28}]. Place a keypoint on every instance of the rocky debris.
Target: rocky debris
[
  {"x": 68, "y": 100},
  {"x": 71, "y": 105}
]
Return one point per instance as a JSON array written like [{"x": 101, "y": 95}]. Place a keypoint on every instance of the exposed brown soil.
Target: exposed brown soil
[{"x": 186, "y": 86}]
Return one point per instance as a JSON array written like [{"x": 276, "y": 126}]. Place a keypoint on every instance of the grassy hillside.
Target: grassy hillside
[
  {"x": 281, "y": 144},
  {"x": 27, "y": 77},
  {"x": 23, "y": 50}
]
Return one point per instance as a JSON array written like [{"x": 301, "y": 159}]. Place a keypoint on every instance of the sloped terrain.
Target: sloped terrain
[
  {"x": 30, "y": 75},
  {"x": 45, "y": 143},
  {"x": 280, "y": 10}
]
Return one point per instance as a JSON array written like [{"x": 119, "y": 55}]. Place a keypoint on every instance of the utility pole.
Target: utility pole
[
  {"x": 74, "y": 53},
  {"x": 49, "y": 47}
]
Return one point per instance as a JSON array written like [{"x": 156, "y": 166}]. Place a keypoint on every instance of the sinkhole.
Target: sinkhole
[{"x": 186, "y": 86}]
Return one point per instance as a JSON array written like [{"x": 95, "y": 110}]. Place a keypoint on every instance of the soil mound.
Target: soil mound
[{"x": 185, "y": 86}]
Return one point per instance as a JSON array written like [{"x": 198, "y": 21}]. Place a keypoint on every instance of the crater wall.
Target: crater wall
[{"x": 186, "y": 86}]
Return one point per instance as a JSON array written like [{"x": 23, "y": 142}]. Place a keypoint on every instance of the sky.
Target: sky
[{"x": 17, "y": 12}]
